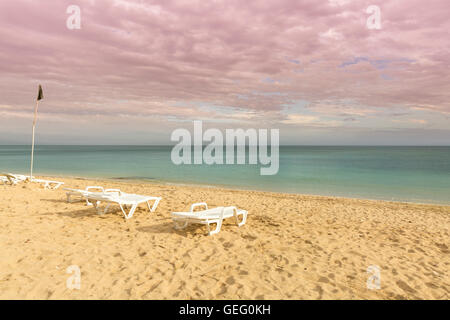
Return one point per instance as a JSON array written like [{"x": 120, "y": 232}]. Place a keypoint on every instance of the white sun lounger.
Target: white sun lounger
[
  {"x": 12, "y": 179},
  {"x": 48, "y": 184},
  {"x": 209, "y": 216},
  {"x": 6, "y": 179},
  {"x": 84, "y": 193},
  {"x": 124, "y": 200}
]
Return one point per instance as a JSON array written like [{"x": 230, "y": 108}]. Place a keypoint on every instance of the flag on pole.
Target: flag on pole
[
  {"x": 39, "y": 97},
  {"x": 40, "y": 94}
]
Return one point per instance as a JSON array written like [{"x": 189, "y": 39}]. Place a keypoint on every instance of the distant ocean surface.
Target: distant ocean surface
[{"x": 415, "y": 174}]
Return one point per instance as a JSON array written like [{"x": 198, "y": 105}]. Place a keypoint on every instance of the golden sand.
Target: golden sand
[{"x": 292, "y": 247}]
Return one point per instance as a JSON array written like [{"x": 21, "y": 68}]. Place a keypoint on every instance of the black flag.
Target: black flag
[{"x": 40, "y": 94}]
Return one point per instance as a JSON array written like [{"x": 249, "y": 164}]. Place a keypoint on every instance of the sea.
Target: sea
[{"x": 395, "y": 173}]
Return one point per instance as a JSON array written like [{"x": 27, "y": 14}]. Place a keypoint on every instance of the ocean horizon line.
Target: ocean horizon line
[{"x": 281, "y": 145}]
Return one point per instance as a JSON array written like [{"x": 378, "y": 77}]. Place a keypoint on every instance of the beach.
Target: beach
[{"x": 292, "y": 246}]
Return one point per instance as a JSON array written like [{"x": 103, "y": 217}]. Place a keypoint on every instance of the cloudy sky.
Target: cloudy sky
[{"x": 137, "y": 70}]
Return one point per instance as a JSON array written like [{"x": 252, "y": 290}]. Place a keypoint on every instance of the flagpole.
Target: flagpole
[{"x": 32, "y": 143}]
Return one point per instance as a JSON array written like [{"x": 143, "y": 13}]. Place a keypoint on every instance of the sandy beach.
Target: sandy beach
[{"x": 292, "y": 247}]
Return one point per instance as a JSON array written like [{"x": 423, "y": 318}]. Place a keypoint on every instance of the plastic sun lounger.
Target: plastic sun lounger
[
  {"x": 13, "y": 179},
  {"x": 124, "y": 200},
  {"x": 209, "y": 216},
  {"x": 84, "y": 193},
  {"x": 48, "y": 184},
  {"x": 5, "y": 179}
]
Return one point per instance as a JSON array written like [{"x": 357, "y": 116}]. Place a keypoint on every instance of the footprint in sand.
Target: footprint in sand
[
  {"x": 405, "y": 287},
  {"x": 324, "y": 280},
  {"x": 443, "y": 247},
  {"x": 227, "y": 245},
  {"x": 319, "y": 291},
  {"x": 249, "y": 237},
  {"x": 230, "y": 280}
]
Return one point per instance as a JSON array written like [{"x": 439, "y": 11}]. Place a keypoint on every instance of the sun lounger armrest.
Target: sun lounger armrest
[
  {"x": 95, "y": 187},
  {"x": 113, "y": 191},
  {"x": 199, "y": 204}
]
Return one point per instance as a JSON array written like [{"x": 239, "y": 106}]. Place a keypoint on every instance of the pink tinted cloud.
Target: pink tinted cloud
[{"x": 168, "y": 58}]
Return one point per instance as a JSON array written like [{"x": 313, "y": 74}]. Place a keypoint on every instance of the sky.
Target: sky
[{"x": 317, "y": 70}]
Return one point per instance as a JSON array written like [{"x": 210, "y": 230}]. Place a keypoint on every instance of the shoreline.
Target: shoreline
[{"x": 201, "y": 185}]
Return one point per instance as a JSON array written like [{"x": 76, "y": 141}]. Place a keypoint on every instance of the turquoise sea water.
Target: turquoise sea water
[{"x": 417, "y": 174}]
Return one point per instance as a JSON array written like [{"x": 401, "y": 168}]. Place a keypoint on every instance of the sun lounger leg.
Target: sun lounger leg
[
  {"x": 218, "y": 226},
  {"x": 90, "y": 203},
  {"x": 57, "y": 185},
  {"x": 99, "y": 211},
  {"x": 130, "y": 214},
  {"x": 155, "y": 204},
  {"x": 69, "y": 197},
  {"x": 244, "y": 218},
  {"x": 52, "y": 185},
  {"x": 106, "y": 208}
]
